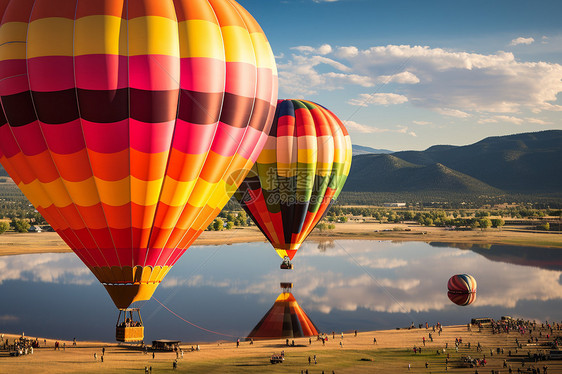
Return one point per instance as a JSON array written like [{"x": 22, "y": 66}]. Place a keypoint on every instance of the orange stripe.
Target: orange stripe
[
  {"x": 194, "y": 9},
  {"x": 110, "y": 166},
  {"x": 73, "y": 167},
  {"x": 101, "y": 7},
  {"x": 156, "y": 8},
  {"x": 148, "y": 166}
]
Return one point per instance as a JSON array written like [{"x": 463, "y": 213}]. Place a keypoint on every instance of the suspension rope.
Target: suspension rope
[{"x": 192, "y": 324}]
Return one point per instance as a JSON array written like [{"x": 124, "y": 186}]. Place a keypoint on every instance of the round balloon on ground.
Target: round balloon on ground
[
  {"x": 124, "y": 121},
  {"x": 301, "y": 170}
]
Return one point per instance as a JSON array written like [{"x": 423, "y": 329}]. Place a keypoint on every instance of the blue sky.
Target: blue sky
[{"x": 406, "y": 74}]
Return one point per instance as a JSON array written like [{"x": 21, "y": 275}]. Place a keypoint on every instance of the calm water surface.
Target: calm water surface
[{"x": 342, "y": 285}]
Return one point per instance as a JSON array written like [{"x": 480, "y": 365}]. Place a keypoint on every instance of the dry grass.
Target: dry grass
[{"x": 392, "y": 354}]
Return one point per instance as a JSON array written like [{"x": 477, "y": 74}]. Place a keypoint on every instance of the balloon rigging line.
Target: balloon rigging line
[
  {"x": 192, "y": 324},
  {"x": 371, "y": 95},
  {"x": 173, "y": 293},
  {"x": 385, "y": 290}
]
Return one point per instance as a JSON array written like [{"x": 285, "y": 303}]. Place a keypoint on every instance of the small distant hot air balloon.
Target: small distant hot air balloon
[
  {"x": 301, "y": 170},
  {"x": 462, "y": 289},
  {"x": 124, "y": 121}
]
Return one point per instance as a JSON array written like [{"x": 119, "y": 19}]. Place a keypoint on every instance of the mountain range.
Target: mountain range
[
  {"x": 525, "y": 163},
  {"x": 528, "y": 163}
]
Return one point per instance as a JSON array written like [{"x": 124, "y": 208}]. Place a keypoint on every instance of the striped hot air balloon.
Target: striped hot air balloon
[
  {"x": 462, "y": 289},
  {"x": 123, "y": 122},
  {"x": 300, "y": 171}
]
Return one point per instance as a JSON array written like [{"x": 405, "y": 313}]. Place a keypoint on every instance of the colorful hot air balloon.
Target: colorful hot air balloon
[
  {"x": 300, "y": 171},
  {"x": 285, "y": 319},
  {"x": 462, "y": 289},
  {"x": 124, "y": 121}
]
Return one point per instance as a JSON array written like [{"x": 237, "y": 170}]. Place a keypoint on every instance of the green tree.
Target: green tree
[
  {"x": 218, "y": 225},
  {"x": 331, "y": 226},
  {"x": 321, "y": 226},
  {"x": 4, "y": 226},
  {"x": 545, "y": 226},
  {"x": 229, "y": 225},
  {"x": 20, "y": 225},
  {"x": 484, "y": 223},
  {"x": 497, "y": 222}
]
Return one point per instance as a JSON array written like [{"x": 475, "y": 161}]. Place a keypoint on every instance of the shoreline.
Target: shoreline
[{"x": 50, "y": 242}]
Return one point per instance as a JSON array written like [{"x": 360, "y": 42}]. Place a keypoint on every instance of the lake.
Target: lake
[{"x": 342, "y": 285}]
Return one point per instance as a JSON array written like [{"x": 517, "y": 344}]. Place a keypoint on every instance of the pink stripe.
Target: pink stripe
[
  {"x": 250, "y": 143},
  {"x": 193, "y": 138},
  {"x": 106, "y": 137},
  {"x": 65, "y": 138},
  {"x": 13, "y": 77},
  {"x": 241, "y": 79},
  {"x": 259, "y": 147},
  {"x": 51, "y": 73},
  {"x": 151, "y": 137},
  {"x": 30, "y": 138},
  {"x": 202, "y": 74},
  {"x": 227, "y": 139},
  {"x": 101, "y": 72},
  {"x": 265, "y": 85},
  {"x": 154, "y": 72},
  {"x": 9, "y": 146}
]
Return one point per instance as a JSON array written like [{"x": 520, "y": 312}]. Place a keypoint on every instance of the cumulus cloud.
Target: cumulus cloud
[
  {"x": 378, "y": 99},
  {"x": 522, "y": 40},
  {"x": 453, "y": 83}
]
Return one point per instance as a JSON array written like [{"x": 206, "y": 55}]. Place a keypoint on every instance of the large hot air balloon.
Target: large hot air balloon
[
  {"x": 301, "y": 170},
  {"x": 462, "y": 289},
  {"x": 124, "y": 121}
]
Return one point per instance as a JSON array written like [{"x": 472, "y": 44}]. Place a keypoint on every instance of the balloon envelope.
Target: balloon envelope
[
  {"x": 301, "y": 170},
  {"x": 462, "y": 289},
  {"x": 124, "y": 121},
  {"x": 462, "y": 299}
]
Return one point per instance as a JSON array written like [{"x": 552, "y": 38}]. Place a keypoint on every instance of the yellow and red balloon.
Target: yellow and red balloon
[{"x": 124, "y": 121}]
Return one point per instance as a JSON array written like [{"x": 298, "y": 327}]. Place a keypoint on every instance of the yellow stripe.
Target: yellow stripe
[
  {"x": 264, "y": 55},
  {"x": 13, "y": 33},
  {"x": 193, "y": 44},
  {"x": 145, "y": 193},
  {"x": 238, "y": 45},
  {"x": 35, "y": 194},
  {"x": 324, "y": 168},
  {"x": 286, "y": 170},
  {"x": 114, "y": 193},
  {"x": 176, "y": 193},
  {"x": 153, "y": 35},
  {"x": 267, "y": 156},
  {"x": 307, "y": 156},
  {"x": 84, "y": 193},
  {"x": 50, "y": 37},
  {"x": 101, "y": 34}
]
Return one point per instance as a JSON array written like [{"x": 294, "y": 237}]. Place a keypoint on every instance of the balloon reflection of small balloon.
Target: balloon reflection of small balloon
[{"x": 462, "y": 289}]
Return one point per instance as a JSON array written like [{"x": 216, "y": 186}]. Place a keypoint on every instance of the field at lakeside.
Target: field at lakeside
[
  {"x": 392, "y": 354},
  {"x": 49, "y": 242}
]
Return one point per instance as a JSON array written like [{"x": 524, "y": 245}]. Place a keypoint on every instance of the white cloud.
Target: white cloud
[
  {"x": 453, "y": 83},
  {"x": 357, "y": 127},
  {"x": 538, "y": 121},
  {"x": 422, "y": 123},
  {"x": 452, "y": 112},
  {"x": 521, "y": 40},
  {"x": 496, "y": 119},
  {"x": 404, "y": 78},
  {"x": 378, "y": 99}
]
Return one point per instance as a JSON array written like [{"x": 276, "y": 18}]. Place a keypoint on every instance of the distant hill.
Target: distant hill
[
  {"x": 362, "y": 150},
  {"x": 388, "y": 173},
  {"x": 523, "y": 163}
]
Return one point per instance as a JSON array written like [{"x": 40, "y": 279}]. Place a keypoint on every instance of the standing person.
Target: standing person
[
  {"x": 103, "y": 351},
  {"x": 153, "y": 355},
  {"x": 374, "y": 340},
  {"x": 237, "y": 342},
  {"x": 314, "y": 359},
  {"x": 74, "y": 342},
  {"x": 95, "y": 356},
  {"x": 309, "y": 360}
]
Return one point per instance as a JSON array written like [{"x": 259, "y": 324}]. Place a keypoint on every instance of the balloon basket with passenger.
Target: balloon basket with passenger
[
  {"x": 129, "y": 328},
  {"x": 286, "y": 264}
]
